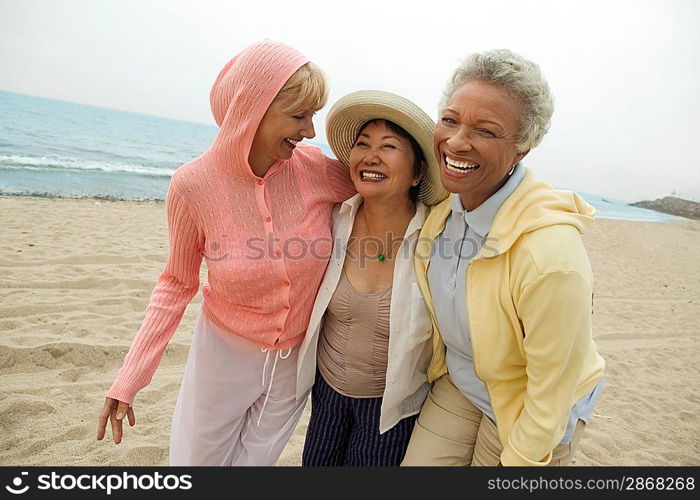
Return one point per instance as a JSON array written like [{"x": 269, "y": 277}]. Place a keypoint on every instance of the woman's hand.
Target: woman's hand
[{"x": 114, "y": 410}]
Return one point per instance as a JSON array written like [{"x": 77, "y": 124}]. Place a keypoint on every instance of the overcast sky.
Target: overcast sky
[{"x": 625, "y": 74}]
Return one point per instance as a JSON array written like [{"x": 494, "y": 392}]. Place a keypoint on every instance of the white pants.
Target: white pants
[{"x": 221, "y": 400}]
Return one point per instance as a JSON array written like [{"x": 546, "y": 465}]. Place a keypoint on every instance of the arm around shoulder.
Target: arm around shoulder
[{"x": 339, "y": 180}]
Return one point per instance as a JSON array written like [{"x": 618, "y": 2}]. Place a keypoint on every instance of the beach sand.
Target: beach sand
[{"x": 75, "y": 277}]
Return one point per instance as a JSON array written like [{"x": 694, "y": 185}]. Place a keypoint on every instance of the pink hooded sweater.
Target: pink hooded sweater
[{"x": 266, "y": 240}]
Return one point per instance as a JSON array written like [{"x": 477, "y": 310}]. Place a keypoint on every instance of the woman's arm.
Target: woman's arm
[
  {"x": 339, "y": 180},
  {"x": 555, "y": 310},
  {"x": 176, "y": 287}
]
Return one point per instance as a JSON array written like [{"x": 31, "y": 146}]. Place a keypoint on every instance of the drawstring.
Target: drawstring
[{"x": 278, "y": 355}]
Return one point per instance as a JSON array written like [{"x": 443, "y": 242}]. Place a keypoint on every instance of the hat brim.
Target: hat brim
[{"x": 352, "y": 111}]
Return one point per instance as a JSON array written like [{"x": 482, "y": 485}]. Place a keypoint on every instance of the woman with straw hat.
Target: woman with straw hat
[{"x": 367, "y": 347}]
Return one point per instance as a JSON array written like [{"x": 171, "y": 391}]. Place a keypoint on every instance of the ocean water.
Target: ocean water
[{"x": 55, "y": 148}]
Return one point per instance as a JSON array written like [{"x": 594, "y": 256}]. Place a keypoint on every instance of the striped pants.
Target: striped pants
[{"x": 344, "y": 431}]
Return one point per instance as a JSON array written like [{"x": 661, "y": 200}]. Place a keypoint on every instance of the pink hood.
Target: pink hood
[{"x": 240, "y": 96}]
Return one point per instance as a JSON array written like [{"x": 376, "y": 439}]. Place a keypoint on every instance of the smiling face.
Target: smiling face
[
  {"x": 278, "y": 134},
  {"x": 475, "y": 141},
  {"x": 382, "y": 163}
]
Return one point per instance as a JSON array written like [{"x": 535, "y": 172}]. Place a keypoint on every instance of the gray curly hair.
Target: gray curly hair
[{"x": 516, "y": 75}]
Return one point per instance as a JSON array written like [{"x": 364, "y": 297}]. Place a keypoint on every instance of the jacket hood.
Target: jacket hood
[
  {"x": 534, "y": 205},
  {"x": 241, "y": 94}
]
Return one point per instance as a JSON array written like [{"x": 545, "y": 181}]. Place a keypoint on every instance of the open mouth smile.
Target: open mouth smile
[
  {"x": 372, "y": 176},
  {"x": 459, "y": 167}
]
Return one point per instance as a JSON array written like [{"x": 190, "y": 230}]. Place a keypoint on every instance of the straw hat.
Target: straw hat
[{"x": 350, "y": 112}]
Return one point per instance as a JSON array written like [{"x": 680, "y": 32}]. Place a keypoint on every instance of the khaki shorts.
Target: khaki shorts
[{"x": 452, "y": 431}]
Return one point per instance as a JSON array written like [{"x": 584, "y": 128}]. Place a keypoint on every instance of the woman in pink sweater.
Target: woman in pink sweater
[{"x": 256, "y": 205}]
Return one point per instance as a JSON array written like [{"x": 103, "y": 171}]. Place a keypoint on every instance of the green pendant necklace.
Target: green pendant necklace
[{"x": 381, "y": 257}]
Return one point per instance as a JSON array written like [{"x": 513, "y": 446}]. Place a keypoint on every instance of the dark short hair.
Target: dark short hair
[{"x": 418, "y": 156}]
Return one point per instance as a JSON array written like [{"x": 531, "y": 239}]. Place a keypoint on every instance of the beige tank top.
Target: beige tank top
[{"x": 353, "y": 347}]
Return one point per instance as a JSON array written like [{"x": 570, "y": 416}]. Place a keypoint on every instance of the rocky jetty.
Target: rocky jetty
[{"x": 673, "y": 206}]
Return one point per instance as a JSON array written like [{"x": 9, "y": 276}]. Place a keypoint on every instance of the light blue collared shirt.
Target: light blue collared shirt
[{"x": 463, "y": 236}]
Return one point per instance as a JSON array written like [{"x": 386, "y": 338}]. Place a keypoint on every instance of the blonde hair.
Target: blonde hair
[{"x": 306, "y": 88}]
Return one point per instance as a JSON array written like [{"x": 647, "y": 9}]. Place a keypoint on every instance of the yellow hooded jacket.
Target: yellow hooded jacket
[{"x": 529, "y": 299}]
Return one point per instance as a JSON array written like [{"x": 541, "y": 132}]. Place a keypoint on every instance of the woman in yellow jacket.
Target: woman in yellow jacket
[{"x": 505, "y": 275}]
